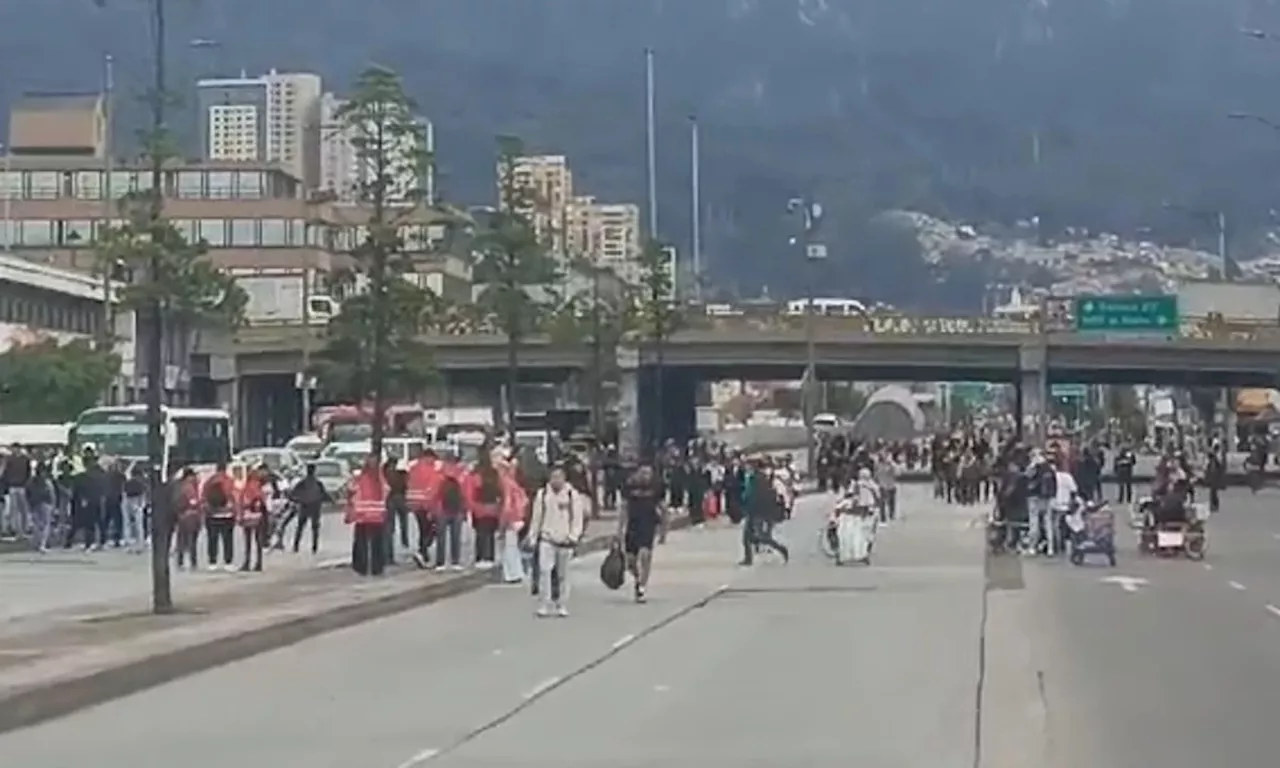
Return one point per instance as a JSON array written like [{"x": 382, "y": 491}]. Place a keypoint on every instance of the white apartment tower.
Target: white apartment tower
[
  {"x": 608, "y": 234},
  {"x": 547, "y": 183},
  {"x": 343, "y": 173},
  {"x": 293, "y": 113},
  {"x": 273, "y": 118}
]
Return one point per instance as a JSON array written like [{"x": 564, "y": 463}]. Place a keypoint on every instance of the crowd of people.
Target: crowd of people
[{"x": 53, "y": 498}]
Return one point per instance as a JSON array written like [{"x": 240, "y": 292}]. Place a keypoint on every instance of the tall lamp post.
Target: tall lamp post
[{"x": 809, "y": 214}]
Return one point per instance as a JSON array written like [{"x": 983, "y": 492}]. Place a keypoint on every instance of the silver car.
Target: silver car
[{"x": 334, "y": 475}]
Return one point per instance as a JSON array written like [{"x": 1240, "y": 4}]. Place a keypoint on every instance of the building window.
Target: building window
[
  {"x": 214, "y": 232},
  {"x": 244, "y": 232},
  {"x": 89, "y": 185},
  {"x": 275, "y": 232},
  {"x": 190, "y": 185},
  {"x": 188, "y": 228},
  {"x": 222, "y": 185},
  {"x": 76, "y": 233},
  {"x": 44, "y": 185},
  {"x": 11, "y": 185},
  {"x": 251, "y": 185},
  {"x": 35, "y": 232},
  {"x": 297, "y": 232},
  {"x": 121, "y": 182}
]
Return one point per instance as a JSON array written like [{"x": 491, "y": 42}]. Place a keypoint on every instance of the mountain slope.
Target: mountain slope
[{"x": 927, "y": 104}]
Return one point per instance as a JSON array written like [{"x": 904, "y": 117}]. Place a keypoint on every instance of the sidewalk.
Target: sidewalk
[{"x": 80, "y": 653}]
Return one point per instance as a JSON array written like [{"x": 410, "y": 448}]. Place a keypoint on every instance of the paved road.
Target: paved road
[
  {"x": 798, "y": 664},
  {"x": 1182, "y": 671},
  {"x": 805, "y": 664}
]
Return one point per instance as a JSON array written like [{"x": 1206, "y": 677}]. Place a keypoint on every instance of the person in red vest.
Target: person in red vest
[
  {"x": 187, "y": 513},
  {"x": 485, "y": 498},
  {"x": 252, "y": 516},
  {"x": 515, "y": 505},
  {"x": 218, "y": 495},
  {"x": 424, "y": 481},
  {"x": 367, "y": 513},
  {"x": 449, "y": 511}
]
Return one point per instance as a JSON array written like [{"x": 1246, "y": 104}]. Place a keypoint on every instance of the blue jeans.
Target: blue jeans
[
  {"x": 41, "y": 524},
  {"x": 135, "y": 525},
  {"x": 449, "y": 534}
]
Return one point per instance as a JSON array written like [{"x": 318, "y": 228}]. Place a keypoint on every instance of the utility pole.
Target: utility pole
[
  {"x": 810, "y": 214},
  {"x": 304, "y": 375},
  {"x": 109, "y": 214},
  {"x": 695, "y": 183},
  {"x": 651, "y": 148}
]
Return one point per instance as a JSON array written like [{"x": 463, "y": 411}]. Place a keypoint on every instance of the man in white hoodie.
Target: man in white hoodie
[{"x": 556, "y": 528}]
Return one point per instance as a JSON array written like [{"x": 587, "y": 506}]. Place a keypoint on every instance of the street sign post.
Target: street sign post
[
  {"x": 1068, "y": 391},
  {"x": 1127, "y": 314}
]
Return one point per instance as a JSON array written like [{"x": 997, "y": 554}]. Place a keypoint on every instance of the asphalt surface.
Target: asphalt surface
[
  {"x": 903, "y": 663},
  {"x": 804, "y": 664},
  {"x": 1157, "y": 662}
]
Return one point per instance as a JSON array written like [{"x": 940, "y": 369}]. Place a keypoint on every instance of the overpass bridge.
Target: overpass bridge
[{"x": 1203, "y": 352}]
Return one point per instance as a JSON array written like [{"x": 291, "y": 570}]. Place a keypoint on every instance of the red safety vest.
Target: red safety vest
[
  {"x": 368, "y": 501},
  {"x": 423, "y": 480}
]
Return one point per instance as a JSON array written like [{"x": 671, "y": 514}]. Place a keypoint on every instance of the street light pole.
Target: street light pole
[
  {"x": 810, "y": 214},
  {"x": 8, "y": 197}
]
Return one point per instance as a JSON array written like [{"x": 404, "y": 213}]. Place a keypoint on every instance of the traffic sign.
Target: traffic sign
[
  {"x": 1069, "y": 390},
  {"x": 1127, "y": 314}
]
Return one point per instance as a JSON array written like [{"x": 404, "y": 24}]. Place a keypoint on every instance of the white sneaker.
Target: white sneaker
[
  {"x": 543, "y": 612},
  {"x": 484, "y": 565},
  {"x": 213, "y": 568},
  {"x": 562, "y": 612},
  {"x": 456, "y": 567}
]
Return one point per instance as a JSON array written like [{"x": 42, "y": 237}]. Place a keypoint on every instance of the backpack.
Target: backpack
[
  {"x": 451, "y": 500},
  {"x": 1047, "y": 482},
  {"x": 216, "y": 495}
]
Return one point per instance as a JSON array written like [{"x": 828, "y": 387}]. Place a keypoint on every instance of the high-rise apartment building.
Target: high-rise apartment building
[
  {"x": 273, "y": 118},
  {"x": 546, "y": 184},
  {"x": 293, "y": 118},
  {"x": 345, "y": 174},
  {"x": 608, "y": 234}
]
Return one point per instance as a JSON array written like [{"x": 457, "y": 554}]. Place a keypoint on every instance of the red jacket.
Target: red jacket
[
  {"x": 252, "y": 509},
  {"x": 367, "y": 503},
  {"x": 424, "y": 481},
  {"x": 450, "y": 471},
  {"x": 481, "y": 509},
  {"x": 228, "y": 492}
]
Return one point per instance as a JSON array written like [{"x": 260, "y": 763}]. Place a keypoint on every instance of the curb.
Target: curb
[{"x": 39, "y": 703}]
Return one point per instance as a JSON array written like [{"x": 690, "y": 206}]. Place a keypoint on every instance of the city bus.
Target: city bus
[{"x": 194, "y": 437}]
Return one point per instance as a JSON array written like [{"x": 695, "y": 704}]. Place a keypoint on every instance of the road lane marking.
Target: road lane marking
[
  {"x": 1274, "y": 610},
  {"x": 1127, "y": 583},
  {"x": 542, "y": 687},
  {"x": 622, "y": 642},
  {"x": 551, "y": 684},
  {"x": 419, "y": 758},
  {"x": 1236, "y": 585}
]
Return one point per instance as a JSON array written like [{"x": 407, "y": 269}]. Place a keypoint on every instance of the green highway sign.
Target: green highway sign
[
  {"x": 1067, "y": 391},
  {"x": 1127, "y": 314}
]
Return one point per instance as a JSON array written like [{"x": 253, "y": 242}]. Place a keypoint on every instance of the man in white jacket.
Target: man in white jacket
[{"x": 556, "y": 528}]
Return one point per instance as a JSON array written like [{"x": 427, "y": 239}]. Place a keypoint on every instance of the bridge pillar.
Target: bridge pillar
[
  {"x": 629, "y": 432},
  {"x": 1033, "y": 384}
]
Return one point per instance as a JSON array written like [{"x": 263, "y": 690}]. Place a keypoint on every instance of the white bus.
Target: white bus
[
  {"x": 194, "y": 437},
  {"x": 830, "y": 307}
]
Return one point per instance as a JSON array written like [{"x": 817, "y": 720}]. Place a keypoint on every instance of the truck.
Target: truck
[{"x": 277, "y": 297}]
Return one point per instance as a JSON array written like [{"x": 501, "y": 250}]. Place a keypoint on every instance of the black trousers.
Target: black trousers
[
  {"x": 255, "y": 537},
  {"x": 84, "y": 519},
  {"x": 755, "y": 533},
  {"x": 369, "y": 549},
  {"x": 486, "y": 539},
  {"x": 307, "y": 516},
  {"x": 220, "y": 534}
]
